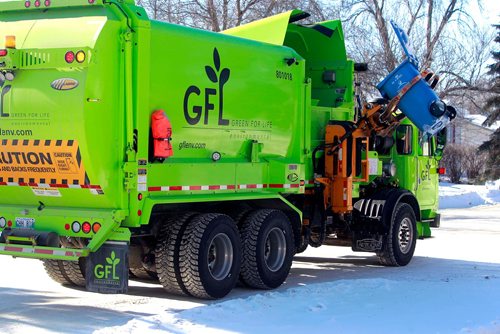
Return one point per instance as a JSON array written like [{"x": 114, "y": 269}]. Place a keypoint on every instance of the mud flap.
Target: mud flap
[{"x": 107, "y": 269}]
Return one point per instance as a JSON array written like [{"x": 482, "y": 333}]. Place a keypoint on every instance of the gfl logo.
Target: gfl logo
[
  {"x": 203, "y": 101},
  {"x": 5, "y": 90},
  {"x": 107, "y": 271}
]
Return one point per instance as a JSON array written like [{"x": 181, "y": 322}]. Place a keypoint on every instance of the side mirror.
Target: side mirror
[{"x": 440, "y": 144}]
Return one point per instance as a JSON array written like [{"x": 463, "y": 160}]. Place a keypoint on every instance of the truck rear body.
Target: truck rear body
[{"x": 62, "y": 147}]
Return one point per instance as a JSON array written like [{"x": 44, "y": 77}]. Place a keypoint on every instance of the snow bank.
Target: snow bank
[{"x": 465, "y": 196}]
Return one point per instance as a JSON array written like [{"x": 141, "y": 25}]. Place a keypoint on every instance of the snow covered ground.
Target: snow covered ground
[
  {"x": 465, "y": 196},
  {"x": 451, "y": 286}
]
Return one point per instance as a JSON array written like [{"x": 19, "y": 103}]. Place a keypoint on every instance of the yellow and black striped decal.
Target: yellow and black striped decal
[{"x": 55, "y": 162}]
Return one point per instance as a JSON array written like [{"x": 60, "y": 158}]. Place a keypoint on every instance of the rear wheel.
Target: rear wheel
[
  {"x": 401, "y": 240},
  {"x": 210, "y": 256},
  {"x": 66, "y": 272},
  {"x": 167, "y": 253},
  {"x": 267, "y": 248}
]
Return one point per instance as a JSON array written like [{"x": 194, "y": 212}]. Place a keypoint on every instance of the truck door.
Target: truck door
[{"x": 427, "y": 177}]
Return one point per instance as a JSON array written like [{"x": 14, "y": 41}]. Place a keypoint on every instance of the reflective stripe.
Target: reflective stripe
[
  {"x": 47, "y": 185},
  {"x": 32, "y": 250},
  {"x": 223, "y": 187}
]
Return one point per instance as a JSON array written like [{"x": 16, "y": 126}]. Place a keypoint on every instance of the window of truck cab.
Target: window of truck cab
[{"x": 404, "y": 135}]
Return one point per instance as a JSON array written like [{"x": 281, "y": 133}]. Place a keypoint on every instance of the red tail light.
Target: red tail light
[
  {"x": 69, "y": 57},
  {"x": 3, "y": 53},
  {"x": 441, "y": 171},
  {"x": 86, "y": 227}
]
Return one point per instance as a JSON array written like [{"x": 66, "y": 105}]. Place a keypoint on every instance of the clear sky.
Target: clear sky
[{"x": 490, "y": 13}]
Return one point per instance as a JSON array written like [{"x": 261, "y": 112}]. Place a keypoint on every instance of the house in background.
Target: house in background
[{"x": 468, "y": 130}]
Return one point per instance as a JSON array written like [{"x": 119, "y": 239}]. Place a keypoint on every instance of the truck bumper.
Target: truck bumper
[
  {"x": 33, "y": 233},
  {"x": 40, "y": 252}
]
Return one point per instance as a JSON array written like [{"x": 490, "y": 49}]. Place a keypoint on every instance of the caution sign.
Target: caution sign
[{"x": 55, "y": 162}]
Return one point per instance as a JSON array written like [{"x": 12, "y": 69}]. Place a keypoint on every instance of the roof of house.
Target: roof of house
[{"x": 479, "y": 119}]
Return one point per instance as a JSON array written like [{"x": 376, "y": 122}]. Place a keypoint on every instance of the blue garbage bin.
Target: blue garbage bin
[{"x": 420, "y": 103}]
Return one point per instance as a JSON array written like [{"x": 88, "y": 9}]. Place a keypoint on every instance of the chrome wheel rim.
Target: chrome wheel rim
[
  {"x": 220, "y": 256},
  {"x": 275, "y": 249},
  {"x": 405, "y": 235}
]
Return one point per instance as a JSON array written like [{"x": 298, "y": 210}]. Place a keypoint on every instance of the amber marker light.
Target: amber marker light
[
  {"x": 80, "y": 56},
  {"x": 10, "y": 42},
  {"x": 96, "y": 227}
]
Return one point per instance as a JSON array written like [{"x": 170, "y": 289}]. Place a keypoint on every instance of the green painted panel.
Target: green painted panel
[{"x": 268, "y": 30}]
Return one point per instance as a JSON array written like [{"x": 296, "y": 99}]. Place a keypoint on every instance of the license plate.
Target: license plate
[{"x": 25, "y": 222}]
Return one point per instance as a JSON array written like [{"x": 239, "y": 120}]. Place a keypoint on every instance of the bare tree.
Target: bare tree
[
  {"x": 474, "y": 163},
  {"x": 454, "y": 161},
  {"x": 444, "y": 36},
  {"x": 218, "y": 15},
  {"x": 165, "y": 10}
]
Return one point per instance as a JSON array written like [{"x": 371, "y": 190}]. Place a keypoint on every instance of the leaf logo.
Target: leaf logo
[
  {"x": 193, "y": 113},
  {"x": 113, "y": 260},
  {"x": 215, "y": 74}
]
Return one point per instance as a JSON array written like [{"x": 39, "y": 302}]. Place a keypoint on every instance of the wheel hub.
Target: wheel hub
[
  {"x": 275, "y": 249},
  {"x": 220, "y": 256},
  {"x": 405, "y": 235}
]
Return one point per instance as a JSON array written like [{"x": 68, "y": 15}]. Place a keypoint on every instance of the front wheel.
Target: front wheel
[{"x": 399, "y": 244}]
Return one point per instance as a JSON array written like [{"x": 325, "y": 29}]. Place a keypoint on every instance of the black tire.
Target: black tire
[
  {"x": 66, "y": 272},
  {"x": 210, "y": 256},
  {"x": 167, "y": 253},
  {"x": 264, "y": 234},
  {"x": 399, "y": 244},
  {"x": 239, "y": 217}
]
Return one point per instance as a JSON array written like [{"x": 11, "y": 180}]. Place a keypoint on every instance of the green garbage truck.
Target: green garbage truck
[{"x": 130, "y": 147}]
